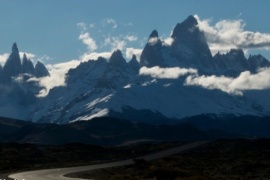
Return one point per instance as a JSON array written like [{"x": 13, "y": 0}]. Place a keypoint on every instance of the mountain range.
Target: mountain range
[
  {"x": 154, "y": 89},
  {"x": 14, "y": 66}
]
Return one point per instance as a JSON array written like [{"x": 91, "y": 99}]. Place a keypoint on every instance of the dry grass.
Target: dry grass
[
  {"x": 16, "y": 157},
  {"x": 224, "y": 159}
]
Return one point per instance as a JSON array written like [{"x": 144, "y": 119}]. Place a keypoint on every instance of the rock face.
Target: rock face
[
  {"x": 152, "y": 52},
  {"x": 117, "y": 73},
  {"x": 234, "y": 62},
  {"x": 117, "y": 58},
  {"x": 189, "y": 43},
  {"x": 41, "y": 70},
  {"x": 17, "y": 94},
  {"x": 13, "y": 65},
  {"x": 256, "y": 62},
  {"x": 188, "y": 34},
  {"x": 189, "y": 49},
  {"x": 134, "y": 64},
  {"x": 115, "y": 88},
  {"x": 27, "y": 66}
]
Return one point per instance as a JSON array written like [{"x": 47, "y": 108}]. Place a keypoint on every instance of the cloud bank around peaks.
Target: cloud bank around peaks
[
  {"x": 58, "y": 71},
  {"x": 4, "y": 57},
  {"x": 228, "y": 34},
  {"x": 236, "y": 86},
  {"x": 133, "y": 51},
  {"x": 166, "y": 73},
  {"x": 57, "y": 76}
]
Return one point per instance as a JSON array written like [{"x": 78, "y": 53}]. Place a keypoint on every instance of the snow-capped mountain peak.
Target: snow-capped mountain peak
[{"x": 148, "y": 90}]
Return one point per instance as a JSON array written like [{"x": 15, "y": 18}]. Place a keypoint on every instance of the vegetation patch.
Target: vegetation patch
[{"x": 223, "y": 159}]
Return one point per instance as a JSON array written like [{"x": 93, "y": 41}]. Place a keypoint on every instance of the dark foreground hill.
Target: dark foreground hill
[
  {"x": 100, "y": 131},
  {"x": 106, "y": 131},
  {"x": 222, "y": 160}
]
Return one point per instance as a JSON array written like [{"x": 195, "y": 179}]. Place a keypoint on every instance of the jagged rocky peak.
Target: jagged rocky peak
[
  {"x": 117, "y": 58},
  {"x": 237, "y": 53},
  {"x": 41, "y": 70},
  {"x": 257, "y": 61},
  {"x": 152, "y": 52},
  {"x": 24, "y": 57},
  {"x": 101, "y": 59},
  {"x": 191, "y": 20},
  {"x": 27, "y": 66},
  {"x": 154, "y": 38},
  {"x": 188, "y": 26},
  {"x": 232, "y": 63},
  {"x": 15, "y": 48},
  {"x": 134, "y": 60},
  {"x": 188, "y": 34},
  {"x": 13, "y": 65},
  {"x": 190, "y": 44},
  {"x": 154, "y": 34},
  {"x": 239, "y": 56},
  {"x": 134, "y": 64}
]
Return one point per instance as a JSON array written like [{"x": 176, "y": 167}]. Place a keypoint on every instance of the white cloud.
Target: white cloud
[
  {"x": 119, "y": 44},
  {"x": 111, "y": 22},
  {"x": 228, "y": 34},
  {"x": 87, "y": 40},
  {"x": 58, "y": 72},
  {"x": 168, "y": 41},
  {"x": 131, "y": 38},
  {"x": 245, "y": 81},
  {"x": 3, "y": 58},
  {"x": 57, "y": 76},
  {"x": 44, "y": 58},
  {"x": 28, "y": 55},
  {"x": 95, "y": 56},
  {"x": 166, "y": 73},
  {"x": 115, "y": 43},
  {"x": 153, "y": 40},
  {"x": 136, "y": 52}
]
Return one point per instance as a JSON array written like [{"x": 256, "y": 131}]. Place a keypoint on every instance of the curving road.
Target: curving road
[{"x": 58, "y": 174}]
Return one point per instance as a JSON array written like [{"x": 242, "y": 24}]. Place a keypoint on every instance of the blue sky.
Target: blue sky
[{"x": 62, "y": 30}]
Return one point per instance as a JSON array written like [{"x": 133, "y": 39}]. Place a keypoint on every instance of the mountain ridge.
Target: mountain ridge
[
  {"x": 118, "y": 88},
  {"x": 14, "y": 66}
]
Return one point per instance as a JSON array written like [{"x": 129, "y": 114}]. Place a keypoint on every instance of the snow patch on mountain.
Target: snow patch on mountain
[
  {"x": 172, "y": 80},
  {"x": 168, "y": 80}
]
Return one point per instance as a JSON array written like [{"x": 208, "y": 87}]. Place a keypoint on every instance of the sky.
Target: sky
[{"x": 57, "y": 31}]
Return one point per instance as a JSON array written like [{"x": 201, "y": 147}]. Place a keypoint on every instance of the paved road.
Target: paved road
[{"x": 58, "y": 174}]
